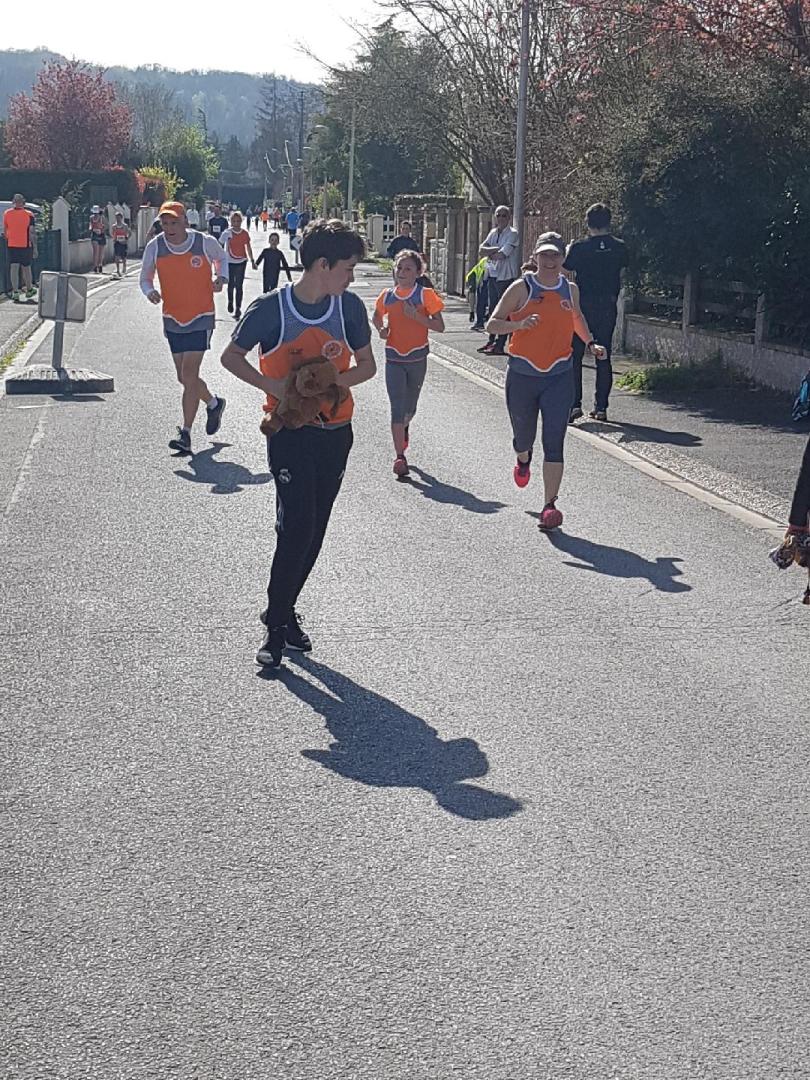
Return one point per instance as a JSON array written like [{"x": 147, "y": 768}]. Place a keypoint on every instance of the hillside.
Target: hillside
[{"x": 229, "y": 99}]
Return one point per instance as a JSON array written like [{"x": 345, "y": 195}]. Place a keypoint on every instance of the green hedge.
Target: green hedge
[{"x": 102, "y": 185}]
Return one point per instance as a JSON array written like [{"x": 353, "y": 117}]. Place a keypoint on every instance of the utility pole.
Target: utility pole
[
  {"x": 350, "y": 193},
  {"x": 301, "y": 153},
  {"x": 520, "y": 135}
]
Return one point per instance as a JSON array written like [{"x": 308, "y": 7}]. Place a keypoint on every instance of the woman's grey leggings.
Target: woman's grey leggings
[
  {"x": 551, "y": 397},
  {"x": 403, "y": 381}
]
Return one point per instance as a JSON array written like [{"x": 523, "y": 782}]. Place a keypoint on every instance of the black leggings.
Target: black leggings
[
  {"x": 236, "y": 280},
  {"x": 308, "y": 466},
  {"x": 530, "y": 396}
]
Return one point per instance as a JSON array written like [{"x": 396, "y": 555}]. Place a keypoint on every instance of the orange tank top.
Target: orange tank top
[
  {"x": 186, "y": 285},
  {"x": 305, "y": 339},
  {"x": 546, "y": 345}
]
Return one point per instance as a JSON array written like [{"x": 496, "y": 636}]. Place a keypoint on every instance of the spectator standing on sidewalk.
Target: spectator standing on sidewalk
[
  {"x": 597, "y": 261},
  {"x": 19, "y": 228},
  {"x": 193, "y": 216},
  {"x": 183, "y": 262},
  {"x": 501, "y": 248}
]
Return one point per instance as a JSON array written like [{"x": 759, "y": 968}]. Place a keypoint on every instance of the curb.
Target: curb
[{"x": 31, "y": 324}]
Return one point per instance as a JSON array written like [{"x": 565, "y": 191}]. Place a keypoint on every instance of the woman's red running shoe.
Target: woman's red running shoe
[
  {"x": 401, "y": 466},
  {"x": 522, "y": 473},
  {"x": 550, "y": 517}
]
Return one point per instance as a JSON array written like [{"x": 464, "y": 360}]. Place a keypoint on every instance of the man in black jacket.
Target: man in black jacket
[{"x": 597, "y": 261}]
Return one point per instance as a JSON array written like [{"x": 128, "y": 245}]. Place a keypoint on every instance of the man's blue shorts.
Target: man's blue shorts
[{"x": 196, "y": 341}]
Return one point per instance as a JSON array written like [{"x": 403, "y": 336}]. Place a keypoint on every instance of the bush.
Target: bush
[{"x": 710, "y": 374}]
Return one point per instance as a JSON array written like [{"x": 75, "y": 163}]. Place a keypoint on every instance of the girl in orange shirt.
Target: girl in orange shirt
[{"x": 403, "y": 317}]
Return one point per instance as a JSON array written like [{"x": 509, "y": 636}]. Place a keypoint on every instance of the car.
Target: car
[{"x": 6, "y": 204}]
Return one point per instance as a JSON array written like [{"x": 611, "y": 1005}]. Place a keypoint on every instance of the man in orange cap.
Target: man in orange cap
[{"x": 182, "y": 261}]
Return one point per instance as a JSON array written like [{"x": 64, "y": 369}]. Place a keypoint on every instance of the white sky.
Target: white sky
[{"x": 213, "y": 40}]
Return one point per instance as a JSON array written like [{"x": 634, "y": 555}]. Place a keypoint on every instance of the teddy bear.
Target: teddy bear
[
  {"x": 310, "y": 391},
  {"x": 795, "y": 548}
]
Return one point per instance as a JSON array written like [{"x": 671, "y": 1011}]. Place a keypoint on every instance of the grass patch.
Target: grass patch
[
  {"x": 711, "y": 374},
  {"x": 9, "y": 358}
]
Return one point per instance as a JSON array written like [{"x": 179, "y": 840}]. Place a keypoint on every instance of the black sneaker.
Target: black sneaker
[
  {"x": 182, "y": 442},
  {"x": 575, "y": 414},
  {"x": 230, "y": 307},
  {"x": 271, "y": 649},
  {"x": 214, "y": 417},
  {"x": 296, "y": 637},
  {"x": 237, "y": 314}
]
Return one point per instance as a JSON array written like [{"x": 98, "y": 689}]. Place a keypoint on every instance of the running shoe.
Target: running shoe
[
  {"x": 598, "y": 414},
  {"x": 230, "y": 307},
  {"x": 550, "y": 517},
  {"x": 15, "y": 296},
  {"x": 495, "y": 351},
  {"x": 407, "y": 440},
  {"x": 575, "y": 414},
  {"x": 271, "y": 649},
  {"x": 522, "y": 472},
  {"x": 294, "y": 634},
  {"x": 30, "y": 292},
  {"x": 214, "y": 417},
  {"x": 182, "y": 442},
  {"x": 238, "y": 313},
  {"x": 401, "y": 466},
  {"x": 486, "y": 348}
]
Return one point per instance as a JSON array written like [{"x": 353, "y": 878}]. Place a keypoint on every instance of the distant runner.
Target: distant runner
[
  {"x": 315, "y": 319},
  {"x": 403, "y": 316},
  {"x": 217, "y": 224},
  {"x": 292, "y": 220},
  {"x": 236, "y": 242},
  {"x": 98, "y": 238},
  {"x": 542, "y": 312},
  {"x": 273, "y": 262},
  {"x": 120, "y": 235},
  {"x": 183, "y": 262}
]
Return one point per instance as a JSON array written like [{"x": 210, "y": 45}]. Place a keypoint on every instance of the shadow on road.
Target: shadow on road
[
  {"x": 759, "y": 408},
  {"x": 643, "y": 433},
  {"x": 377, "y": 742},
  {"x": 618, "y": 562},
  {"x": 225, "y": 477},
  {"x": 440, "y": 492}
]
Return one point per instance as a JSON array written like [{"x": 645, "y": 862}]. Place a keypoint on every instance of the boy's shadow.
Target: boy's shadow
[
  {"x": 379, "y": 743},
  {"x": 225, "y": 477},
  {"x": 434, "y": 489},
  {"x": 618, "y": 562}
]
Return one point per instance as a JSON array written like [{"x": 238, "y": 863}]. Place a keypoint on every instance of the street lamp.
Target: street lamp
[
  {"x": 324, "y": 208},
  {"x": 520, "y": 135}
]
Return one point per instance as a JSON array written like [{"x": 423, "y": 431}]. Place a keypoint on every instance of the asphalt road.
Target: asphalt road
[{"x": 536, "y": 808}]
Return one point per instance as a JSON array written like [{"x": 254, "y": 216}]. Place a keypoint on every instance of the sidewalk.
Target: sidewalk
[
  {"x": 19, "y": 321},
  {"x": 738, "y": 443}
]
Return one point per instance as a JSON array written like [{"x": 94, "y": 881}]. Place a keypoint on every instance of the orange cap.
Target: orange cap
[{"x": 173, "y": 209}]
